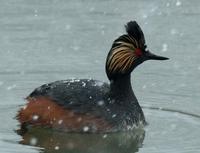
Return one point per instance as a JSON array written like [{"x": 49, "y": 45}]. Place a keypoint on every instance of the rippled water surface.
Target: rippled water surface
[{"x": 48, "y": 40}]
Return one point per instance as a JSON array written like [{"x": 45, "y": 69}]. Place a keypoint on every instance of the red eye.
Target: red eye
[{"x": 138, "y": 52}]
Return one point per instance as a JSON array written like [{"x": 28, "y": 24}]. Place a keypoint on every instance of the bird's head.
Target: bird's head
[{"x": 128, "y": 51}]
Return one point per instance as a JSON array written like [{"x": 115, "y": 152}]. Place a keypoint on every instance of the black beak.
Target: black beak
[{"x": 151, "y": 56}]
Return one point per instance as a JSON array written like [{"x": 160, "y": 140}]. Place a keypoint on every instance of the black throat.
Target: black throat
[
  {"x": 121, "y": 89},
  {"x": 123, "y": 95}
]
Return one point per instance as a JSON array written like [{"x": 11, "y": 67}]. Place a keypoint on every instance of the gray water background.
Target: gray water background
[{"x": 48, "y": 40}]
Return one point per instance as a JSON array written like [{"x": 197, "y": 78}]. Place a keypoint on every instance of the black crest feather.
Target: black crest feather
[{"x": 134, "y": 30}]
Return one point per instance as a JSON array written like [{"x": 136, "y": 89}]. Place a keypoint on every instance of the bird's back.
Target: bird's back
[
  {"x": 86, "y": 102},
  {"x": 72, "y": 93}
]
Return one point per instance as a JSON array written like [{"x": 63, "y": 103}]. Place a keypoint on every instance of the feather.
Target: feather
[{"x": 134, "y": 30}]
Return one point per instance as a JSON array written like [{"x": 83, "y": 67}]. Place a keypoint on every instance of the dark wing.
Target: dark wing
[{"x": 80, "y": 95}]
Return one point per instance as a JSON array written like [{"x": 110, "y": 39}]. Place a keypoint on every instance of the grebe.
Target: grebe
[{"x": 88, "y": 105}]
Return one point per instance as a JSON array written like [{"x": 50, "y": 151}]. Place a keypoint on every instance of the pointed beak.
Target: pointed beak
[{"x": 151, "y": 56}]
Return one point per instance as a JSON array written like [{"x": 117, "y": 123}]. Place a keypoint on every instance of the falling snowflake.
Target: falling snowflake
[
  {"x": 85, "y": 128},
  {"x": 178, "y": 3},
  {"x": 114, "y": 115},
  {"x": 11, "y": 87},
  {"x": 173, "y": 31},
  {"x": 60, "y": 121},
  {"x": 164, "y": 47},
  {"x": 83, "y": 84},
  {"x": 56, "y": 147},
  {"x": 33, "y": 141},
  {"x": 79, "y": 119},
  {"x": 35, "y": 117},
  {"x": 100, "y": 103},
  {"x": 105, "y": 136},
  {"x": 24, "y": 107}
]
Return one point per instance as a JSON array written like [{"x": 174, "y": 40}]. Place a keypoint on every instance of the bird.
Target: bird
[{"x": 89, "y": 105}]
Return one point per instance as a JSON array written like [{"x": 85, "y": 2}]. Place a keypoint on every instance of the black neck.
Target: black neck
[{"x": 122, "y": 89}]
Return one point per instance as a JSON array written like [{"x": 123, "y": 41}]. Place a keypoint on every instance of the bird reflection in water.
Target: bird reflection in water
[{"x": 50, "y": 141}]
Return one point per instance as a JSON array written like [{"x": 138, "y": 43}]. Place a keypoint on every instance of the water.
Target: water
[{"x": 44, "y": 41}]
